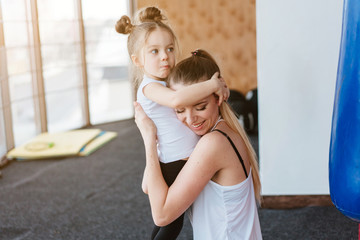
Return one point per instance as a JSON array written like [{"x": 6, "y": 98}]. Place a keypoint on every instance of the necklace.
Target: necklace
[{"x": 217, "y": 122}]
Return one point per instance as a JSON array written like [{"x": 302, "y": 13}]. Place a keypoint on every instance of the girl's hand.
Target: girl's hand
[
  {"x": 145, "y": 124},
  {"x": 223, "y": 91}
]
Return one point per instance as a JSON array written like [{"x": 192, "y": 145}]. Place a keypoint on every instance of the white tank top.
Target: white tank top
[
  {"x": 175, "y": 140},
  {"x": 226, "y": 212}
]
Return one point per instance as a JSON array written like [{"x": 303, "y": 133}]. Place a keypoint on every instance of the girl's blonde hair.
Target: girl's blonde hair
[
  {"x": 145, "y": 22},
  {"x": 197, "y": 68}
]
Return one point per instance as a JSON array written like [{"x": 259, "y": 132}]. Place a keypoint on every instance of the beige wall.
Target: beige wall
[{"x": 226, "y": 29}]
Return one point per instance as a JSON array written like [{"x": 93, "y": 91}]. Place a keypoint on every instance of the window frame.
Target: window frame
[{"x": 36, "y": 71}]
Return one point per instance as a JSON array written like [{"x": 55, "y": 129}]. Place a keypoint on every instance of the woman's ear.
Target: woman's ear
[{"x": 136, "y": 61}]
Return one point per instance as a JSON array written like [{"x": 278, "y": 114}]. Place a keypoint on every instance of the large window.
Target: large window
[
  {"x": 62, "y": 66},
  {"x": 107, "y": 61},
  {"x": 61, "y": 63},
  {"x": 18, "y": 45}
]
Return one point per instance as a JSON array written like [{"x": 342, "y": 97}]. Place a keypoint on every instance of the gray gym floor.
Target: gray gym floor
[{"x": 99, "y": 197}]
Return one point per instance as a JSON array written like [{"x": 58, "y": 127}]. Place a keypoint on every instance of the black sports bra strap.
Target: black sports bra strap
[{"x": 235, "y": 149}]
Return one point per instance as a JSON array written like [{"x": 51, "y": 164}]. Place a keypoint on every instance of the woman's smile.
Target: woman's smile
[{"x": 197, "y": 125}]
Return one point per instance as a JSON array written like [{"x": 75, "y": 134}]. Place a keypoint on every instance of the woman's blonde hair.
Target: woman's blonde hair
[
  {"x": 145, "y": 22},
  {"x": 200, "y": 66}
]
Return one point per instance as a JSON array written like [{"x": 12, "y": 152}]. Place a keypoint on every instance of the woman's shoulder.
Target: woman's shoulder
[
  {"x": 211, "y": 151},
  {"x": 213, "y": 141},
  {"x": 220, "y": 140},
  {"x": 213, "y": 135}
]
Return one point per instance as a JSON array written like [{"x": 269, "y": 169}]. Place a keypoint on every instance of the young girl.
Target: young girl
[
  {"x": 151, "y": 46},
  {"x": 220, "y": 180}
]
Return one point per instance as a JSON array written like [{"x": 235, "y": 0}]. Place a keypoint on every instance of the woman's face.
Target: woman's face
[{"x": 200, "y": 117}]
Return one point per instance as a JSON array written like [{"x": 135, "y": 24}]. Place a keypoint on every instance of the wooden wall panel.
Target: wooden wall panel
[{"x": 227, "y": 29}]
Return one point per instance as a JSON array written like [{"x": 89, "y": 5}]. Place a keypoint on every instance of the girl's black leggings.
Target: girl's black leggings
[{"x": 171, "y": 231}]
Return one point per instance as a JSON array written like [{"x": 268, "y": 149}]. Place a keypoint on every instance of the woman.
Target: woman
[
  {"x": 152, "y": 47},
  {"x": 220, "y": 179}
]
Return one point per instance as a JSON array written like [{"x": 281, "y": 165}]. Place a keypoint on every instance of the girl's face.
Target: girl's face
[
  {"x": 200, "y": 117},
  {"x": 158, "y": 56}
]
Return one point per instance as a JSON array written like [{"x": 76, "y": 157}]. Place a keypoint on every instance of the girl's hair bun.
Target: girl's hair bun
[
  {"x": 151, "y": 14},
  {"x": 123, "y": 25}
]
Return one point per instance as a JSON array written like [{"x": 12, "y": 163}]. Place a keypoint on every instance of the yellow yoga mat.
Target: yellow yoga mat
[
  {"x": 62, "y": 144},
  {"x": 97, "y": 143}
]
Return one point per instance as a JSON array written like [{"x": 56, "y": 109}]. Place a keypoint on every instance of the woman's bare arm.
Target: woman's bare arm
[
  {"x": 197, "y": 172},
  {"x": 169, "y": 203}
]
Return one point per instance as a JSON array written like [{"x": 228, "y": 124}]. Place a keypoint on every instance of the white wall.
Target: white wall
[{"x": 298, "y": 44}]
